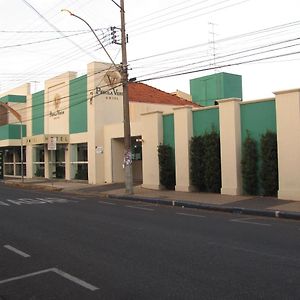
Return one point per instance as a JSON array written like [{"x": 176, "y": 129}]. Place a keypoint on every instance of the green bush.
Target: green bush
[
  {"x": 206, "y": 162},
  {"x": 212, "y": 162},
  {"x": 166, "y": 166},
  {"x": 197, "y": 150},
  {"x": 249, "y": 166},
  {"x": 269, "y": 164}
]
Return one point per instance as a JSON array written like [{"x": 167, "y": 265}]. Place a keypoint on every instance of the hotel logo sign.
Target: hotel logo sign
[
  {"x": 57, "y": 112},
  {"x": 112, "y": 81}
]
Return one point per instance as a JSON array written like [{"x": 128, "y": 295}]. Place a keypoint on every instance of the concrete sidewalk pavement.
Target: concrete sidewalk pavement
[{"x": 252, "y": 205}]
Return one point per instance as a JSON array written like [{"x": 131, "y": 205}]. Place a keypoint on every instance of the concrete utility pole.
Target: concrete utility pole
[{"x": 127, "y": 134}]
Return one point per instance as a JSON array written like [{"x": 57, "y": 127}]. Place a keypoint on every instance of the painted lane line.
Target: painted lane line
[
  {"x": 75, "y": 280},
  {"x": 141, "y": 208},
  {"x": 105, "y": 202},
  {"x": 57, "y": 271},
  {"x": 244, "y": 221},
  {"x": 190, "y": 215},
  {"x": 17, "y": 251}
]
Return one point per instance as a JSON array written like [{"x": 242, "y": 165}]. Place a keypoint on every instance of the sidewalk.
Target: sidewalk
[{"x": 251, "y": 205}]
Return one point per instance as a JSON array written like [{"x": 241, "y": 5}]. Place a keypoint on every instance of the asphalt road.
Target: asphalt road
[{"x": 59, "y": 246}]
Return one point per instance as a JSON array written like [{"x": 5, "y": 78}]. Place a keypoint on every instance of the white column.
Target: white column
[
  {"x": 152, "y": 136},
  {"x": 47, "y": 159},
  {"x": 230, "y": 140},
  {"x": 288, "y": 141},
  {"x": 68, "y": 161},
  {"x": 183, "y": 127},
  {"x": 29, "y": 165}
]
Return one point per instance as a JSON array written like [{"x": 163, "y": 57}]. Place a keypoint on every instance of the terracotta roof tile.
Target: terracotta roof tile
[{"x": 140, "y": 92}]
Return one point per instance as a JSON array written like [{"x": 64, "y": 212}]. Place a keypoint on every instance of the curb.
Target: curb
[
  {"x": 229, "y": 209},
  {"x": 30, "y": 186}
]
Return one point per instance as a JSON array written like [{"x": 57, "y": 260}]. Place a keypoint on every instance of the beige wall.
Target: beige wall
[
  {"x": 57, "y": 103},
  {"x": 137, "y": 109},
  {"x": 288, "y": 140},
  {"x": 230, "y": 140},
  {"x": 183, "y": 125},
  {"x": 104, "y": 109}
]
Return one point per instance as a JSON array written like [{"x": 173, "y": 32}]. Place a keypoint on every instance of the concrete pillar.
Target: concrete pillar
[
  {"x": 230, "y": 140},
  {"x": 152, "y": 136},
  {"x": 29, "y": 165},
  {"x": 288, "y": 141},
  {"x": 183, "y": 127},
  {"x": 68, "y": 162},
  {"x": 47, "y": 160}
]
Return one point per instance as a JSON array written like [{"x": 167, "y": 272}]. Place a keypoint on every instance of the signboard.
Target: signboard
[
  {"x": 52, "y": 143},
  {"x": 1, "y": 165}
]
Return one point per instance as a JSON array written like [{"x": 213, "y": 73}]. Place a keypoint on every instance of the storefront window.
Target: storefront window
[
  {"x": 79, "y": 161},
  {"x": 38, "y": 161},
  {"x": 57, "y": 161},
  {"x": 12, "y": 161}
]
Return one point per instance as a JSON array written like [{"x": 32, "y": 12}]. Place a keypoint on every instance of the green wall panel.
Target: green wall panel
[
  {"x": 13, "y": 98},
  {"x": 168, "y": 131},
  {"x": 78, "y": 105},
  {"x": 258, "y": 117},
  {"x": 205, "y": 120},
  {"x": 12, "y": 131},
  {"x": 38, "y": 103}
]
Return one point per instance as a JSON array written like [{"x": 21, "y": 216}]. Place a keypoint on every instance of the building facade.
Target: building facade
[{"x": 73, "y": 129}]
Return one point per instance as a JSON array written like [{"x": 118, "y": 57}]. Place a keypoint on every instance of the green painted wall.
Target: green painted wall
[
  {"x": 38, "y": 104},
  {"x": 13, "y": 98},
  {"x": 78, "y": 105},
  {"x": 168, "y": 131},
  {"x": 11, "y": 131},
  {"x": 205, "y": 120},
  {"x": 258, "y": 117},
  {"x": 206, "y": 90}
]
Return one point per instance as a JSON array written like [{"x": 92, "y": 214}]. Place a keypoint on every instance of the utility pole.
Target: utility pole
[{"x": 127, "y": 134}]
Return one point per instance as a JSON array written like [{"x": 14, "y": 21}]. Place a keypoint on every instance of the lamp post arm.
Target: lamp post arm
[{"x": 92, "y": 30}]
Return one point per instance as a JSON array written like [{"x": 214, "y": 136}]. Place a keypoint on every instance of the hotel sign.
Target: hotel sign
[
  {"x": 44, "y": 139},
  {"x": 57, "y": 112},
  {"x": 112, "y": 81}
]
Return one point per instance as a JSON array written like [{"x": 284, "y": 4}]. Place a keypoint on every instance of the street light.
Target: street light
[
  {"x": 19, "y": 118},
  {"x": 124, "y": 75}
]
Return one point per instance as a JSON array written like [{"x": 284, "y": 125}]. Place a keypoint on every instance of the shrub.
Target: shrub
[
  {"x": 206, "y": 162},
  {"x": 166, "y": 166},
  {"x": 197, "y": 150},
  {"x": 269, "y": 165},
  {"x": 249, "y": 165},
  {"x": 212, "y": 162}
]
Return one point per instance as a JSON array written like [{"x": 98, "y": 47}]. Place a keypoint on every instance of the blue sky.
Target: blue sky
[{"x": 165, "y": 38}]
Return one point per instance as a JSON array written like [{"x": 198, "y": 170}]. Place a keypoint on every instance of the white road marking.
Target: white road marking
[
  {"x": 29, "y": 201},
  {"x": 190, "y": 215},
  {"x": 105, "y": 202},
  {"x": 57, "y": 271},
  {"x": 141, "y": 208},
  {"x": 244, "y": 220},
  {"x": 17, "y": 251}
]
